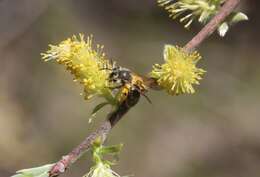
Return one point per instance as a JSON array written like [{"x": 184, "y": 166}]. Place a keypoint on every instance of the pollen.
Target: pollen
[{"x": 179, "y": 72}]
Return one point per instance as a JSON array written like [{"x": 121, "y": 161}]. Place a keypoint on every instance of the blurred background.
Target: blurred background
[{"x": 213, "y": 133}]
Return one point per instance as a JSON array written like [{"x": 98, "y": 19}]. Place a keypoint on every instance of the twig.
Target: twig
[
  {"x": 133, "y": 98},
  {"x": 207, "y": 30}
]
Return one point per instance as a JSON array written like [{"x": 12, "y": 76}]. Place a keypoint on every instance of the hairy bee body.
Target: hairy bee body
[{"x": 126, "y": 80}]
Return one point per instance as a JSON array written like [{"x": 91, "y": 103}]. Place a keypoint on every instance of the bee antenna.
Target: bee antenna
[{"x": 106, "y": 69}]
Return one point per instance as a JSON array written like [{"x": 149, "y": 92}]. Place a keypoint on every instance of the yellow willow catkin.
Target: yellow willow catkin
[
  {"x": 84, "y": 62},
  {"x": 179, "y": 72}
]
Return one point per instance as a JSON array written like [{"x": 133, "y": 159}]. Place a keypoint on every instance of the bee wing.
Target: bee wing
[{"x": 151, "y": 83}]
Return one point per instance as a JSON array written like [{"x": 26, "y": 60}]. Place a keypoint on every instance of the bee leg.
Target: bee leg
[
  {"x": 105, "y": 68},
  {"x": 147, "y": 98},
  {"x": 125, "y": 91},
  {"x": 143, "y": 94},
  {"x": 115, "y": 87}
]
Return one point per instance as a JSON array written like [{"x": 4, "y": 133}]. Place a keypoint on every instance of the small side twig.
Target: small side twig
[
  {"x": 133, "y": 98},
  {"x": 102, "y": 132}
]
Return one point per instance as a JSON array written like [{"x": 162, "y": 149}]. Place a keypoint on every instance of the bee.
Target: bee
[
  {"x": 131, "y": 100},
  {"x": 126, "y": 80}
]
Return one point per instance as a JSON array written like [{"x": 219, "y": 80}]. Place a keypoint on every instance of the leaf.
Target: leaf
[
  {"x": 232, "y": 19},
  {"x": 237, "y": 17},
  {"x": 222, "y": 29},
  {"x": 96, "y": 109},
  {"x": 42, "y": 171},
  {"x": 115, "y": 149}
]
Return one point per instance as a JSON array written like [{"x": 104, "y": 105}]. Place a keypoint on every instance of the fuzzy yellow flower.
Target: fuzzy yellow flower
[
  {"x": 202, "y": 11},
  {"x": 84, "y": 62},
  {"x": 179, "y": 72},
  {"x": 189, "y": 10}
]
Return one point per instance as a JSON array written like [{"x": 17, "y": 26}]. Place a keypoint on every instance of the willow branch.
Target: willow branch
[
  {"x": 207, "y": 30},
  {"x": 133, "y": 98}
]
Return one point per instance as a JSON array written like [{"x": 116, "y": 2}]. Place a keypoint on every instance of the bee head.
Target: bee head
[{"x": 121, "y": 75}]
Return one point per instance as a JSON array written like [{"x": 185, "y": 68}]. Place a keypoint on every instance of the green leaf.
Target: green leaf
[
  {"x": 42, "y": 171},
  {"x": 232, "y": 19},
  {"x": 237, "y": 17},
  {"x": 222, "y": 29},
  {"x": 115, "y": 149},
  {"x": 96, "y": 109}
]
